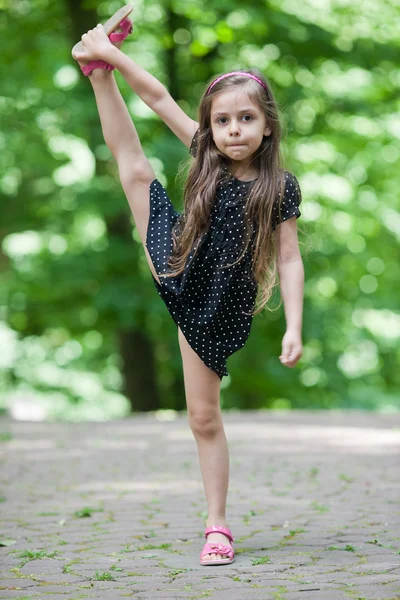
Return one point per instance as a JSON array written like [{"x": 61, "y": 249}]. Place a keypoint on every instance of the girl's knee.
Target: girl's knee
[{"x": 206, "y": 422}]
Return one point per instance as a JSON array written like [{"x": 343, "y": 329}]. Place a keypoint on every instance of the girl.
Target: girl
[{"x": 209, "y": 262}]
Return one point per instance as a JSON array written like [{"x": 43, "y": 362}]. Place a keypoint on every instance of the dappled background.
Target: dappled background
[{"x": 83, "y": 332}]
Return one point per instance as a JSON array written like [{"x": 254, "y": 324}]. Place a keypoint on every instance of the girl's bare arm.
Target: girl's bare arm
[
  {"x": 291, "y": 273},
  {"x": 156, "y": 96},
  {"x": 146, "y": 86}
]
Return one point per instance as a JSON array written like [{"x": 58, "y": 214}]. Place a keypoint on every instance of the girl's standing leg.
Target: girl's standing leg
[
  {"x": 202, "y": 385},
  {"x": 202, "y": 388},
  {"x": 120, "y": 135}
]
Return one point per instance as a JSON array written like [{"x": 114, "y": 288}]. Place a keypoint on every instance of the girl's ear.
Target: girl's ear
[{"x": 267, "y": 131}]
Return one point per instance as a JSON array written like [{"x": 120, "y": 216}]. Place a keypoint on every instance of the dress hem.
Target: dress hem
[
  {"x": 160, "y": 289},
  {"x": 181, "y": 325}
]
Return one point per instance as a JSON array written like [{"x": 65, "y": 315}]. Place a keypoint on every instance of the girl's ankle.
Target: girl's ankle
[
  {"x": 100, "y": 73},
  {"x": 221, "y": 521}
]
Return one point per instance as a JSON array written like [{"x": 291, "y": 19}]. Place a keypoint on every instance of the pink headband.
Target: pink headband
[{"x": 236, "y": 73}]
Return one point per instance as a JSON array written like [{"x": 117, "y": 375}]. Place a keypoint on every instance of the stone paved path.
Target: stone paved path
[{"x": 116, "y": 510}]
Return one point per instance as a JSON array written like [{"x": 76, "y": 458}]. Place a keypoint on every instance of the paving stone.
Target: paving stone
[
  {"x": 19, "y": 594},
  {"x": 309, "y": 481},
  {"x": 14, "y": 583},
  {"x": 165, "y": 594},
  {"x": 322, "y": 594},
  {"x": 392, "y": 567},
  {"x": 377, "y": 592},
  {"x": 376, "y": 578},
  {"x": 46, "y": 590}
]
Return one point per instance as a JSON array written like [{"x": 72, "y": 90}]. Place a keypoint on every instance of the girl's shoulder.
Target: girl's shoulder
[
  {"x": 289, "y": 178},
  {"x": 288, "y": 200},
  {"x": 290, "y": 186}
]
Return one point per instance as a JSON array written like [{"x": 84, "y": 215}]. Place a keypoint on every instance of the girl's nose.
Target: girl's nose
[{"x": 234, "y": 129}]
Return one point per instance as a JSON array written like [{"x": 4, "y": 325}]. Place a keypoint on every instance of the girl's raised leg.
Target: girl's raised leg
[
  {"x": 120, "y": 135},
  {"x": 202, "y": 388}
]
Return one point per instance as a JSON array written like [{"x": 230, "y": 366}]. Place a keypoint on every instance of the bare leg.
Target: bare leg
[
  {"x": 202, "y": 388},
  {"x": 120, "y": 135}
]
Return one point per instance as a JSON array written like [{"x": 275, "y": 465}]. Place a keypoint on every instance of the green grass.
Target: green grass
[
  {"x": 260, "y": 560},
  {"x": 86, "y": 512},
  {"x": 103, "y": 576},
  {"x": 34, "y": 555}
]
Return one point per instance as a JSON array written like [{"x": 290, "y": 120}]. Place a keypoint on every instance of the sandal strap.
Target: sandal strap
[
  {"x": 221, "y": 549},
  {"x": 96, "y": 64},
  {"x": 126, "y": 26},
  {"x": 219, "y": 529}
]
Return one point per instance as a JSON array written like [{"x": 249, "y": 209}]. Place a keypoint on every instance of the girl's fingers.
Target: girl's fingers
[
  {"x": 290, "y": 358},
  {"x": 89, "y": 39},
  {"x": 89, "y": 31},
  {"x": 78, "y": 56},
  {"x": 87, "y": 36}
]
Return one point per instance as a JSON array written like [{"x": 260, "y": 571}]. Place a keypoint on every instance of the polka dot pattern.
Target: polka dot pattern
[{"x": 210, "y": 299}]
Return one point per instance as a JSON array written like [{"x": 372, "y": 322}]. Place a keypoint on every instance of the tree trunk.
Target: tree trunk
[{"x": 139, "y": 370}]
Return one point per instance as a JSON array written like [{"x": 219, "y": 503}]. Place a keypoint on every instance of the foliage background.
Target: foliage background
[{"x": 83, "y": 333}]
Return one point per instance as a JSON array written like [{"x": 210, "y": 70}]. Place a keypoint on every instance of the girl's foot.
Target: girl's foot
[
  {"x": 96, "y": 43},
  {"x": 109, "y": 26},
  {"x": 82, "y": 62},
  {"x": 217, "y": 538}
]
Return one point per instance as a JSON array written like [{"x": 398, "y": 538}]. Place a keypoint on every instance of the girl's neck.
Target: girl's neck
[
  {"x": 241, "y": 175},
  {"x": 242, "y": 172}
]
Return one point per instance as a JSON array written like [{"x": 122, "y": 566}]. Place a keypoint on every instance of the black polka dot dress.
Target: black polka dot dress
[{"x": 207, "y": 301}]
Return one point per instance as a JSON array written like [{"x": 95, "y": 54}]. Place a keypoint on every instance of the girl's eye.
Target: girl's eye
[{"x": 249, "y": 118}]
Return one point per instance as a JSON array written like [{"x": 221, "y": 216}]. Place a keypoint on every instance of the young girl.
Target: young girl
[{"x": 210, "y": 262}]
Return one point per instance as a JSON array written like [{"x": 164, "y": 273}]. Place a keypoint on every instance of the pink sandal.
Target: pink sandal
[
  {"x": 119, "y": 19},
  {"x": 215, "y": 548}
]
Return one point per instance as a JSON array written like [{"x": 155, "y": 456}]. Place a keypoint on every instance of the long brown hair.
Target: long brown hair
[{"x": 209, "y": 169}]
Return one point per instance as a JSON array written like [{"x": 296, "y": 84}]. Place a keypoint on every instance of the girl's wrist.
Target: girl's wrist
[
  {"x": 294, "y": 330},
  {"x": 112, "y": 55}
]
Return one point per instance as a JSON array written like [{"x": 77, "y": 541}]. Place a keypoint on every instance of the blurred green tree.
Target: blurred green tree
[{"x": 76, "y": 297}]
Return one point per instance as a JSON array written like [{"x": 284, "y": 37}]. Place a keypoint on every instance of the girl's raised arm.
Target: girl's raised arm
[{"x": 155, "y": 95}]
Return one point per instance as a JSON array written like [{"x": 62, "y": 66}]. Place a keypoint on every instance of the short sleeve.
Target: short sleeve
[
  {"x": 290, "y": 202},
  {"x": 194, "y": 144}
]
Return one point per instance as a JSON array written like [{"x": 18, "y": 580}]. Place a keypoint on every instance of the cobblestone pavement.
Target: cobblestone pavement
[{"x": 117, "y": 510}]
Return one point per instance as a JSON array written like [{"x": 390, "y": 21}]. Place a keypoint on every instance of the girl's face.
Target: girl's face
[{"x": 238, "y": 125}]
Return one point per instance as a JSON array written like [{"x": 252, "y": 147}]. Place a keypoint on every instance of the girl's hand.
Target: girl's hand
[
  {"x": 97, "y": 46},
  {"x": 292, "y": 348}
]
